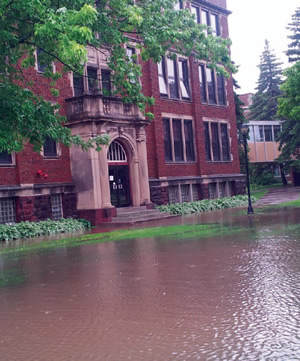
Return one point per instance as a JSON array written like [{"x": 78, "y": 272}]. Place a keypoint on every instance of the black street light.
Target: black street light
[{"x": 244, "y": 131}]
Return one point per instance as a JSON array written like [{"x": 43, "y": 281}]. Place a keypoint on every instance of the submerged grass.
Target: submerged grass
[{"x": 171, "y": 232}]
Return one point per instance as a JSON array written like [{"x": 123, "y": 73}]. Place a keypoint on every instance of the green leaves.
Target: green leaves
[
  {"x": 62, "y": 30},
  {"x": 205, "y": 205},
  {"x": 36, "y": 229},
  {"x": 289, "y": 109}
]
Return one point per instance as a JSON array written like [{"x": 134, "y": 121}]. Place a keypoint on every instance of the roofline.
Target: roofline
[{"x": 212, "y": 6}]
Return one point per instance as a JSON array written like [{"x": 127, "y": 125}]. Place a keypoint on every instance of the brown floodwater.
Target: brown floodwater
[{"x": 224, "y": 298}]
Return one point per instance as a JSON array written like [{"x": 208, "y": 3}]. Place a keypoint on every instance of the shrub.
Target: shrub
[
  {"x": 35, "y": 229},
  {"x": 206, "y": 205}
]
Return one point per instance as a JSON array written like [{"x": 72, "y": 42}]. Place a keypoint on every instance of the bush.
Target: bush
[
  {"x": 206, "y": 205},
  {"x": 43, "y": 228}
]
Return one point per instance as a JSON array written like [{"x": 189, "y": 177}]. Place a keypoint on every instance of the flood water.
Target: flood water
[{"x": 224, "y": 298}]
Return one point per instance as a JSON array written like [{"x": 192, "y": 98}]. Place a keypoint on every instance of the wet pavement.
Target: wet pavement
[
  {"x": 279, "y": 195},
  {"x": 231, "y": 297}
]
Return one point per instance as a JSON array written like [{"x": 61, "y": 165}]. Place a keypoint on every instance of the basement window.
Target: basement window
[{"x": 7, "y": 210}]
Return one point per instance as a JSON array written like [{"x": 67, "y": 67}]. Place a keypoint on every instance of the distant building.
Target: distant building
[{"x": 247, "y": 100}]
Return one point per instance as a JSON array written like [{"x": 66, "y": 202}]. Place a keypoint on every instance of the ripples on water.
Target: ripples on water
[{"x": 229, "y": 298}]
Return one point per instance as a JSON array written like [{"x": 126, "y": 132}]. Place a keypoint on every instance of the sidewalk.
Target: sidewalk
[{"x": 279, "y": 195}]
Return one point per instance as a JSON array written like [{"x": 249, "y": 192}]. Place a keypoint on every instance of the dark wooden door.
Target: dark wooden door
[{"x": 119, "y": 185}]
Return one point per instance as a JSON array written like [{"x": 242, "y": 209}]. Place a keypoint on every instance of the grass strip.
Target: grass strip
[{"x": 176, "y": 232}]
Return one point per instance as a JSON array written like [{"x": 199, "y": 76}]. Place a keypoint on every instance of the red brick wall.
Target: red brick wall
[{"x": 29, "y": 162}]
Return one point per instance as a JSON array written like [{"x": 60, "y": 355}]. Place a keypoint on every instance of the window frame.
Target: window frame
[
  {"x": 199, "y": 11},
  {"x": 41, "y": 69},
  {"x": 218, "y": 86},
  {"x": 180, "y": 81},
  {"x": 215, "y": 154},
  {"x": 178, "y": 147},
  {"x": 10, "y": 163},
  {"x": 53, "y": 155}
]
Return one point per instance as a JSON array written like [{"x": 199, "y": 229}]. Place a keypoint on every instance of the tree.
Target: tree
[
  {"x": 264, "y": 106},
  {"x": 61, "y": 30},
  {"x": 289, "y": 108},
  {"x": 293, "y": 51},
  {"x": 240, "y": 120}
]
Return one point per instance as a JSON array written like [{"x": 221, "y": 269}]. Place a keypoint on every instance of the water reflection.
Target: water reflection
[{"x": 228, "y": 298}]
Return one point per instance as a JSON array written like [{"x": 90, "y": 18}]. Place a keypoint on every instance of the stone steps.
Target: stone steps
[{"x": 132, "y": 215}]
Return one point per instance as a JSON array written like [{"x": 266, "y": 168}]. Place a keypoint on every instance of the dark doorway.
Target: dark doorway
[{"x": 119, "y": 185}]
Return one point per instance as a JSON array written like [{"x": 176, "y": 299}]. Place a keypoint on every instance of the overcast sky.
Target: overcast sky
[{"x": 250, "y": 23}]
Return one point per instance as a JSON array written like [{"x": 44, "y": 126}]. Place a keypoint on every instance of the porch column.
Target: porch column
[
  {"x": 143, "y": 165},
  {"x": 104, "y": 178}
]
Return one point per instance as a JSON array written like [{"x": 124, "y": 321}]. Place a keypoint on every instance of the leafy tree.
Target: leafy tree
[
  {"x": 293, "y": 51},
  {"x": 62, "y": 29},
  {"x": 240, "y": 120},
  {"x": 289, "y": 108},
  {"x": 264, "y": 106}
]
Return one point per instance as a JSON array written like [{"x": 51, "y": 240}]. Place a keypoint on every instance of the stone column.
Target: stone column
[
  {"x": 143, "y": 165},
  {"x": 104, "y": 178}
]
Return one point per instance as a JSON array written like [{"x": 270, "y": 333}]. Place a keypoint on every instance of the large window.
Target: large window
[
  {"x": 90, "y": 82},
  {"x": 208, "y": 18},
  {"x": 217, "y": 145},
  {"x": 212, "y": 86},
  {"x": 5, "y": 158},
  {"x": 178, "y": 140},
  {"x": 263, "y": 133},
  {"x": 173, "y": 78}
]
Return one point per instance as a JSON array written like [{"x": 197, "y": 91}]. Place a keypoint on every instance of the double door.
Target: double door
[{"x": 119, "y": 185}]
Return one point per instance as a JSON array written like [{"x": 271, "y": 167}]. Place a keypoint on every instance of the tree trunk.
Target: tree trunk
[{"x": 283, "y": 178}]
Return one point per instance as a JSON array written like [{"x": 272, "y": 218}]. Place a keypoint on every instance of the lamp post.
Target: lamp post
[{"x": 244, "y": 131}]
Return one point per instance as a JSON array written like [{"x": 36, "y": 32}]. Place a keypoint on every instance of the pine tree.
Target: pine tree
[
  {"x": 265, "y": 100},
  {"x": 293, "y": 51}
]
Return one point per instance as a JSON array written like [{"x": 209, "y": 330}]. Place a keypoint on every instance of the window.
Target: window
[
  {"x": 178, "y": 5},
  {"x": 92, "y": 79},
  {"x": 56, "y": 204},
  {"x": 178, "y": 140},
  {"x": 277, "y": 130},
  {"x": 217, "y": 145},
  {"x": 77, "y": 84},
  {"x": 7, "y": 210},
  {"x": 259, "y": 133},
  {"x": 185, "y": 193},
  {"x": 195, "y": 11},
  {"x": 50, "y": 148},
  {"x": 206, "y": 17},
  {"x": 130, "y": 51},
  {"x": 92, "y": 84},
  {"x": 268, "y": 133},
  {"x": 173, "y": 194},
  {"x": 41, "y": 65},
  {"x": 5, "y": 158},
  {"x": 106, "y": 82},
  {"x": 210, "y": 93},
  {"x": 214, "y": 23},
  {"x": 189, "y": 140},
  {"x": 212, "y": 190},
  {"x": 167, "y": 140},
  {"x": 173, "y": 78}
]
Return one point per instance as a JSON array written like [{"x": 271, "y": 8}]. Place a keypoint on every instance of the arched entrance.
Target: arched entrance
[{"x": 118, "y": 175}]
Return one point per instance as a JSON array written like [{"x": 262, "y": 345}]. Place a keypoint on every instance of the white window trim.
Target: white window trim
[
  {"x": 37, "y": 66},
  {"x": 202, "y": 63},
  {"x": 12, "y": 164},
  {"x": 219, "y": 122},
  {"x": 182, "y": 119},
  {"x": 180, "y": 97}
]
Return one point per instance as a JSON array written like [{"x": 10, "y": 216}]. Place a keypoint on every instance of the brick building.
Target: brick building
[{"x": 188, "y": 152}]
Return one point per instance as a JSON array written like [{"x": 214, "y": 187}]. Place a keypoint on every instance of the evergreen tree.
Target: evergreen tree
[
  {"x": 294, "y": 47},
  {"x": 265, "y": 100}
]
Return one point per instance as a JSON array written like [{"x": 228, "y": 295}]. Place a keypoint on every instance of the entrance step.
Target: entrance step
[{"x": 138, "y": 214}]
